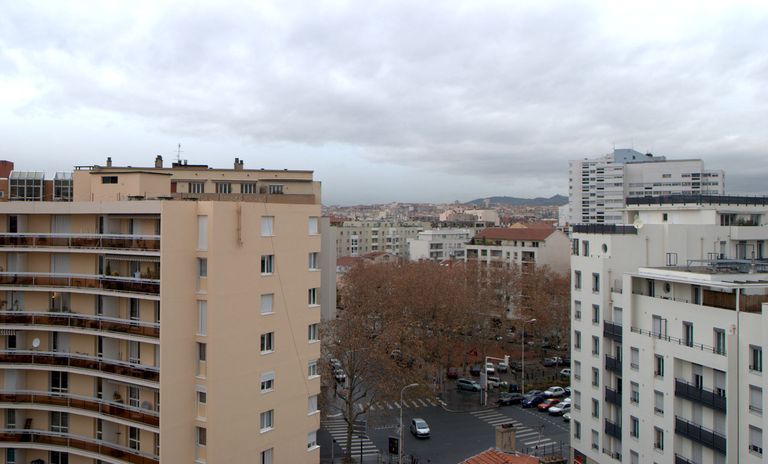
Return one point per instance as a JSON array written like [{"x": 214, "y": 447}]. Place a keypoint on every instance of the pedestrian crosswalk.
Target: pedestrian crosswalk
[
  {"x": 406, "y": 404},
  {"x": 525, "y": 436},
  {"x": 337, "y": 428}
]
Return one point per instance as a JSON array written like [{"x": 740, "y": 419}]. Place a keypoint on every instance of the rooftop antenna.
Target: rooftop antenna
[{"x": 178, "y": 154}]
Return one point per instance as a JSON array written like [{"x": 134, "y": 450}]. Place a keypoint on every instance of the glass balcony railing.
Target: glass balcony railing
[
  {"x": 60, "y": 359},
  {"x": 72, "y": 443},
  {"x": 84, "y": 281},
  {"x": 81, "y": 321},
  {"x": 82, "y": 241},
  {"x": 21, "y": 397}
]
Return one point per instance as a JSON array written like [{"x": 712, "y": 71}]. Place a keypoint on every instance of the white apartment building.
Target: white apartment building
[
  {"x": 524, "y": 246},
  {"x": 598, "y": 187},
  {"x": 668, "y": 330},
  {"x": 439, "y": 244},
  {"x": 355, "y": 238}
]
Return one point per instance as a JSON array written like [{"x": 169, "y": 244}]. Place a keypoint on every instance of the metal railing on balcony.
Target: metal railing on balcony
[
  {"x": 82, "y": 241},
  {"x": 613, "y": 229},
  {"x": 76, "y": 442},
  {"x": 700, "y": 395},
  {"x": 86, "y": 281},
  {"x": 693, "y": 199},
  {"x": 701, "y": 435},
  {"x": 679, "y": 341},
  {"x": 81, "y": 321},
  {"x": 683, "y": 460},
  {"x": 613, "y": 364},
  {"x": 108, "y": 408},
  {"x": 613, "y": 396},
  {"x": 613, "y": 331},
  {"x": 55, "y": 358},
  {"x": 612, "y": 429}
]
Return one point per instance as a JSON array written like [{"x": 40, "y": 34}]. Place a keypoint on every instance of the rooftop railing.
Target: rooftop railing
[
  {"x": 84, "y": 241},
  {"x": 699, "y": 200},
  {"x": 608, "y": 229},
  {"x": 83, "y": 361},
  {"x": 86, "y": 281},
  {"x": 82, "y": 321}
]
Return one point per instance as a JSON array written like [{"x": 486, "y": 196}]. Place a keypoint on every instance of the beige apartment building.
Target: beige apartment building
[{"x": 163, "y": 314}]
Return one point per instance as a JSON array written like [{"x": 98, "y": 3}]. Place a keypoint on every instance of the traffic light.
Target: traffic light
[{"x": 394, "y": 445}]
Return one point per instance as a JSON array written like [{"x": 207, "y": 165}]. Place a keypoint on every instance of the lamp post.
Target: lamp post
[
  {"x": 522, "y": 361},
  {"x": 400, "y": 447}
]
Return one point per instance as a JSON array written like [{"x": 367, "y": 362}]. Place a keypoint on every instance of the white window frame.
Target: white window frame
[
  {"x": 313, "y": 333},
  {"x": 267, "y": 340},
  {"x": 202, "y": 317},
  {"x": 267, "y": 226},
  {"x": 312, "y": 441},
  {"x": 267, "y": 421},
  {"x": 267, "y": 456},
  {"x": 314, "y": 225},
  {"x": 313, "y": 405},
  {"x": 312, "y": 296},
  {"x": 267, "y": 264},
  {"x": 314, "y": 261},
  {"x": 267, "y": 304},
  {"x": 267, "y": 382},
  {"x": 312, "y": 369}
]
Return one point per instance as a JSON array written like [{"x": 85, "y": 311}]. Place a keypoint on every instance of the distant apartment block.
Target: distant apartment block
[
  {"x": 482, "y": 217},
  {"x": 160, "y": 314},
  {"x": 355, "y": 238},
  {"x": 598, "y": 187},
  {"x": 521, "y": 246},
  {"x": 439, "y": 244},
  {"x": 669, "y": 325}
]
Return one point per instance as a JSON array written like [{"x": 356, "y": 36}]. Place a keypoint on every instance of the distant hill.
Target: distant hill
[{"x": 555, "y": 200}]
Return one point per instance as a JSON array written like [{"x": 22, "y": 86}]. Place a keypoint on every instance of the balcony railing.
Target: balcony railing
[
  {"x": 700, "y": 395},
  {"x": 613, "y": 229},
  {"x": 679, "y": 341},
  {"x": 131, "y": 413},
  {"x": 612, "y": 396},
  {"x": 81, "y": 241},
  {"x": 81, "y": 321},
  {"x": 682, "y": 460},
  {"x": 701, "y": 435},
  {"x": 613, "y": 364},
  {"x": 612, "y": 330},
  {"x": 54, "y": 358},
  {"x": 77, "y": 442},
  {"x": 612, "y": 429},
  {"x": 87, "y": 281}
]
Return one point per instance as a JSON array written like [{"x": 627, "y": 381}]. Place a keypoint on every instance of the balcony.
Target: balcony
[
  {"x": 72, "y": 443},
  {"x": 612, "y": 429},
  {"x": 80, "y": 281},
  {"x": 116, "y": 242},
  {"x": 699, "y": 395},
  {"x": 613, "y": 364},
  {"x": 608, "y": 229},
  {"x": 107, "y": 366},
  {"x": 612, "y": 396},
  {"x": 122, "y": 411},
  {"x": 679, "y": 341},
  {"x": 701, "y": 435},
  {"x": 81, "y": 321},
  {"x": 612, "y": 330}
]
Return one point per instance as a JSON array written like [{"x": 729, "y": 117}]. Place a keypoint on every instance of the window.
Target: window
[
  {"x": 134, "y": 441},
  {"x": 719, "y": 341},
  {"x": 266, "y": 456},
  {"x": 202, "y": 436},
  {"x": 577, "y": 399},
  {"x": 313, "y": 225},
  {"x": 595, "y": 377},
  {"x": 634, "y": 358},
  {"x": 595, "y": 314},
  {"x": 595, "y": 440},
  {"x": 312, "y": 440},
  {"x": 595, "y": 408},
  {"x": 196, "y": 187},
  {"x": 267, "y": 382},
  {"x": 312, "y": 368},
  {"x": 59, "y": 382},
  {"x": 267, "y": 264},
  {"x": 312, "y": 407},
  {"x": 634, "y": 392},
  {"x": 577, "y": 430},
  {"x": 634, "y": 427},
  {"x": 658, "y": 438},
  {"x": 658, "y": 402},
  {"x": 312, "y": 297},
  {"x": 275, "y": 189},
  {"x": 634, "y": 457},
  {"x": 202, "y": 233},
  {"x": 595, "y": 345},
  {"x": 201, "y": 352},
  {"x": 267, "y": 301},
  {"x": 595, "y": 282},
  {"x": 202, "y": 317},
  {"x": 108, "y": 179},
  {"x": 577, "y": 280},
  {"x": 575, "y": 247},
  {"x": 10, "y": 418},
  {"x": 577, "y": 310},
  {"x": 266, "y": 421},
  {"x": 755, "y": 440},
  {"x": 59, "y": 422},
  {"x": 202, "y": 267},
  {"x": 202, "y": 397},
  {"x": 577, "y": 340},
  {"x": 577, "y": 370},
  {"x": 268, "y": 342},
  {"x": 10, "y": 456},
  {"x": 223, "y": 187},
  {"x": 659, "y": 365},
  {"x": 688, "y": 333},
  {"x": 267, "y": 226},
  {"x": 248, "y": 187},
  {"x": 133, "y": 396},
  {"x": 585, "y": 248},
  {"x": 756, "y": 358},
  {"x": 313, "y": 260},
  {"x": 59, "y": 458},
  {"x": 756, "y": 399}
]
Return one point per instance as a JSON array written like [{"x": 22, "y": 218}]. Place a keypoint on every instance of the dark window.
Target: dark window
[{"x": 108, "y": 179}]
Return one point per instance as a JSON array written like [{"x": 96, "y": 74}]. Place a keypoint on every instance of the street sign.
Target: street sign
[{"x": 394, "y": 445}]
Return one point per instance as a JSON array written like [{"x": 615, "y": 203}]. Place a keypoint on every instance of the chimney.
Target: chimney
[
  {"x": 238, "y": 164},
  {"x": 158, "y": 161},
  {"x": 109, "y": 161},
  {"x": 505, "y": 438}
]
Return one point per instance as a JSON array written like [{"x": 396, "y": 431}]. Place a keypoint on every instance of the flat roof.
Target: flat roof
[{"x": 700, "y": 275}]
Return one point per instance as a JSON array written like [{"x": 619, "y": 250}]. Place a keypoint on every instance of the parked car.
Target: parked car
[
  {"x": 467, "y": 384},
  {"x": 554, "y": 392},
  {"x": 533, "y": 401},
  {"x": 339, "y": 375},
  {"x": 506, "y": 399},
  {"x": 567, "y": 390},
  {"x": 475, "y": 370},
  {"x": 565, "y": 373},
  {"x": 453, "y": 373},
  {"x": 546, "y": 404},
  {"x": 502, "y": 366},
  {"x": 419, "y": 428},
  {"x": 560, "y": 408},
  {"x": 531, "y": 393},
  {"x": 567, "y": 417},
  {"x": 493, "y": 382},
  {"x": 489, "y": 369},
  {"x": 549, "y": 362}
]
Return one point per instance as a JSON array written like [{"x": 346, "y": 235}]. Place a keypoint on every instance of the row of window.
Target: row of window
[
  {"x": 595, "y": 281},
  {"x": 226, "y": 187}
]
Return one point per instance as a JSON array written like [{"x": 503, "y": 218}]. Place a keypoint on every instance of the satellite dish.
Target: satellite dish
[
  {"x": 36, "y": 343},
  {"x": 638, "y": 224}
]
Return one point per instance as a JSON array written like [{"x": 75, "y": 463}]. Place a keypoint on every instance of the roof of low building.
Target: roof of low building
[
  {"x": 503, "y": 233},
  {"x": 494, "y": 456}
]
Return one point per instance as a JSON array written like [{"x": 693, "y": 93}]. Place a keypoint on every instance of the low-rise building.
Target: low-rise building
[
  {"x": 439, "y": 244},
  {"x": 355, "y": 238},
  {"x": 521, "y": 246}
]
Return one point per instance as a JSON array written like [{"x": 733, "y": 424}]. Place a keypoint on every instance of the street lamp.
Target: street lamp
[
  {"x": 522, "y": 336},
  {"x": 400, "y": 448}
]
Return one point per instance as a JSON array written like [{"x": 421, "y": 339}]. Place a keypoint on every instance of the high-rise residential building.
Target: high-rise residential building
[
  {"x": 161, "y": 314},
  {"x": 669, "y": 324},
  {"x": 598, "y": 187},
  {"x": 356, "y": 238},
  {"x": 439, "y": 244}
]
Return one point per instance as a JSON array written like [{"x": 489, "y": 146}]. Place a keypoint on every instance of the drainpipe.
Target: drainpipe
[{"x": 738, "y": 375}]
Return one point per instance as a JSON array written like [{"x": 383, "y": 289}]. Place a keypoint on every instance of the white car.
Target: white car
[
  {"x": 502, "y": 366},
  {"x": 493, "y": 382},
  {"x": 554, "y": 392},
  {"x": 419, "y": 428},
  {"x": 559, "y": 409},
  {"x": 489, "y": 369}
]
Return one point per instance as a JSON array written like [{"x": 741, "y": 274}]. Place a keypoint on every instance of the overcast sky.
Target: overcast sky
[{"x": 388, "y": 101}]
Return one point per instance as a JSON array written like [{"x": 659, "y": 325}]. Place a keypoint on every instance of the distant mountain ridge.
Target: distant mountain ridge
[{"x": 554, "y": 200}]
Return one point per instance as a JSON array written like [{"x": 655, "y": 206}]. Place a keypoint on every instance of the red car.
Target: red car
[
  {"x": 547, "y": 404},
  {"x": 453, "y": 373}
]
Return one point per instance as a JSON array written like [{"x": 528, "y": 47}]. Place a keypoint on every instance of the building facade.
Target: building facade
[
  {"x": 668, "y": 328},
  {"x": 521, "y": 246},
  {"x": 598, "y": 187},
  {"x": 439, "y": 244},
  {"x": 355, "y": 238},
  {"x": 164, "y": 314}
]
